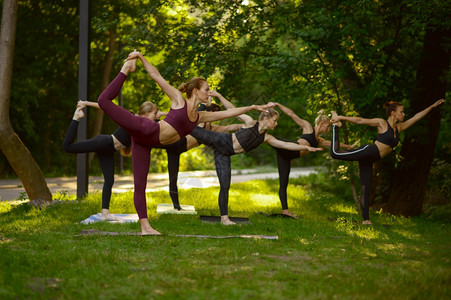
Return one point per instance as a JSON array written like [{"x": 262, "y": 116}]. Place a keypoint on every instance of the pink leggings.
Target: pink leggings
[{"x": 145, "y": 135}]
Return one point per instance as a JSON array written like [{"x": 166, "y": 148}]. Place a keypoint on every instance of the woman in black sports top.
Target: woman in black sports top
[
  {"x": 246, "y": 139},
  {"x": 387, "y": 139},
  {"x": 310, "y": 137}
]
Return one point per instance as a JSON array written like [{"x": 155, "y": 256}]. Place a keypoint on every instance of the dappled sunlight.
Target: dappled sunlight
[
  {"x": 407, "y": 234},
  {"x": 257, "y": 200},
  {"x": 341, "y": 208},
  {"x": 355, "y": 228},
  {"x": 303, "y": 241}
]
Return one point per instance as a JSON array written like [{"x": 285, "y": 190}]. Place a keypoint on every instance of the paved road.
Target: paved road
[{"x": 11, "y": 189}]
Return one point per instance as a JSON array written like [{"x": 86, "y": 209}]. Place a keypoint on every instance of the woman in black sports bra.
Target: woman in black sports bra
[
  {"x": 310, "y": 137},
  {"x": 246, "y": 139},
  {"x": 388, "y": 137},
  {"x": 188, "y": 142}
]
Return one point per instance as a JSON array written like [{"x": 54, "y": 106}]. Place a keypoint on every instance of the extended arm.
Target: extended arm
[
  {"x": 376, "y": 122},
  {"x": 227, "y": 128},
  {"x": 269, "y": 139},
  {"x": 206, "y": 116},
  {"x": 174, "y": 94},
  {"x": 300, "y": 122},
  {"x": 228, "y": 105},
  {"x": 418, "y": 116}
]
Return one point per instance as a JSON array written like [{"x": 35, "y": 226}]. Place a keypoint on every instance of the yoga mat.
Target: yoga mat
[
  {"x": 278, "y": 215},
  {"x": 216, "y": 219},
  {"x": 121, "y": 218},
  {"x": 166, "y": 208},
  {"x": 244, "y": 236}
]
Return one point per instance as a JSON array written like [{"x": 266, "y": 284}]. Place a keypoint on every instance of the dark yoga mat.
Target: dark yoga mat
[
  {"x": 216, "y": 219},
  {"x": 278, "y": 216}
]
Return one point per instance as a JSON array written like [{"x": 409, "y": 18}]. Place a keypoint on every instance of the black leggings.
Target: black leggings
[
  {"x": 222, "y": 145},
  {"x": 284, "y": 158},
  {"x": 366, "y": 155},
  {"x": 103, "y": 145},
  {"x": 173, "y": 151}
]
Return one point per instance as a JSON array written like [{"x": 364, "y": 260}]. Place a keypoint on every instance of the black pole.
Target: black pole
[{"x": 83, "y": 91}]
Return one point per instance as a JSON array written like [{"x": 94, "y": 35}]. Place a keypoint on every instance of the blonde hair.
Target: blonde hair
[
  {"x": 126, "y": 151},
  {"x": 321, "y": 117},
  {"x": 269, "y": 113},
  {"x": 147, "y": 107},
  {"x": 188, "y": 87}
]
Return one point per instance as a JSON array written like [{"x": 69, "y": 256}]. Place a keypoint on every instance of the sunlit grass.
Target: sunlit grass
[{"x": 325, "y": 254}]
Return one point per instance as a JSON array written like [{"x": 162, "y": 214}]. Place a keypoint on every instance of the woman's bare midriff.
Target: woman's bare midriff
[
  {"x": 168, "y": 134},
  {"x": 383, "y": 149},
  {"x": 236, "y": 145},
  {"x": 305, "y": 143}
]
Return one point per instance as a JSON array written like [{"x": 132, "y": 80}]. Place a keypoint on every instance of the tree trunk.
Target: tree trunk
[
  {"x": 15, "y": 151},
  {"x": 97, "y": 128},
  {"x": 409, "y": 185}
]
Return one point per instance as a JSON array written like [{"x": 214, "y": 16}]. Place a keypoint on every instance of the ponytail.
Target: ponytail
[
  {"x": 126, "y": 151},
  {"x": 321, "y": 117},
  {"x": 268, "y": 113}
]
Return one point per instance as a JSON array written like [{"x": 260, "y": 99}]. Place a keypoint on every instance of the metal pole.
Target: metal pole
[{"x": 83, "y": 92}]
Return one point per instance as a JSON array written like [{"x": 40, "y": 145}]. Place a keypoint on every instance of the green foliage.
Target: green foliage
[
  {"x": 317, "y": 257},
  {"x": 349, "y": 56}
]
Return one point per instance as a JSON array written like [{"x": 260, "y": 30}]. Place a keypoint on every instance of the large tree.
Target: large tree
[
  {"x": 410, "y": 180},
  {"x": 15, "y": 151}
]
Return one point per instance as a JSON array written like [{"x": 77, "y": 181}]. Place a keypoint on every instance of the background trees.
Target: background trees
[{"x": 350, "y": 56}]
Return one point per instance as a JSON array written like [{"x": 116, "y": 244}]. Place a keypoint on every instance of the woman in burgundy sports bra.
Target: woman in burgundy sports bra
[
  {"x": 388, "y": 137},
  {"x": 179, "y": 122}
]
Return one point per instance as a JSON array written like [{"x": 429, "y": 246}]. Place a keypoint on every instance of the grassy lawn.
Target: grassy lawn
[{"x": 326, "y": 254}]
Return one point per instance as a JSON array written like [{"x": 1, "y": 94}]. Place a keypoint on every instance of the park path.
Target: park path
[{"x": 12, "y": 189}]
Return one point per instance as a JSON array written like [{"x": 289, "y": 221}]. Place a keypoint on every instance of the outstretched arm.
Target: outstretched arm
[
  {"x": 226, "y": 128},
  {"x": 206, "y": 116},
  {"x": 269, "y": 139},
  {"x": 418, "y": 116},
  {"x": 228, "y": 105},
  {"x": 300, "y": 122},
  {"x": 174, "y": 94},
  {"x": 376, "y": 122},
  {"x": 83, "y": 104}
]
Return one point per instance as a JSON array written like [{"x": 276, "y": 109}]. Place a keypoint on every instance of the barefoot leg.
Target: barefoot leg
[
  {"x": 146, "y": 229},
  {"x": 226, "y": 221}
]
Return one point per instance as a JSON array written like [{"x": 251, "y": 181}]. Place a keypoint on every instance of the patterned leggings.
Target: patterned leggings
[{"x": 222, "y": 145}]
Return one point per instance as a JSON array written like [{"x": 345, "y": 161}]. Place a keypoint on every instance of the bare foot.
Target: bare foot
[
  {"x": 226, "y": 221},
  {"x": 367, "y": 222},
  {"x": 334, "y": 120},
  {"x": 129, "y": 66},
  {"x": 288, "y": 213},
  {"x": 146, "y": 229},
  {"x": 106, "y": 216},
  {"x": 79, "y": 114}
]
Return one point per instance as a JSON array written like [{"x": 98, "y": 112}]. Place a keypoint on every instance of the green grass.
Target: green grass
[{"x": 327, "y": 254}]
